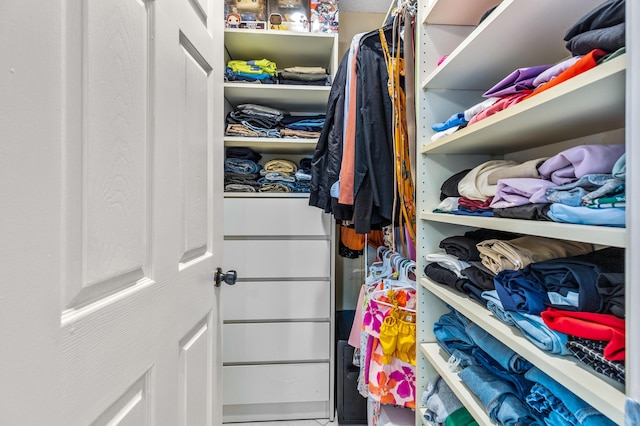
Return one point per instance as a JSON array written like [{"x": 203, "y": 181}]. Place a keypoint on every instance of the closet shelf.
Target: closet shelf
[
  {"x": 492, "y": 51},
  {"x": 604, "y": 394},
  {"x": 604, "y": 235},
  {"x": 439, "y": 359},
  {"x": 589, "y": 103},
  {"x": 285, "y": 48},
  {"x": 265, "y": 195},
  {"x": 273, "y": 145},
  {"x": 458, "y": 12},
  {"x": 289, "y": 98}
]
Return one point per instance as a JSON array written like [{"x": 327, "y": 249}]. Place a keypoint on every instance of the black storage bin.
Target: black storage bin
[{"x": 352, "y": 407}]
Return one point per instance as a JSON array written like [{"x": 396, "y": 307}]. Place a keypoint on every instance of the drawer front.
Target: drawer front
[
  {"x": 278, "y": 258},
  {"x": 274, "y": 217},
  {"x": 276, "y": 342},
  {"x": 276, "y": 300},
  {"x": 272, "y": 384}
]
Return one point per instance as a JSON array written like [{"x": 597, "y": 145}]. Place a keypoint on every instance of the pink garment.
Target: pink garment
[
  {"x": 347, "y": 168},
  {"x": 356, "y": 328},
  {"x": 503, "y": 103},
  {"x": 573, "y": 163},
  {"x": 393, "y": 383}
]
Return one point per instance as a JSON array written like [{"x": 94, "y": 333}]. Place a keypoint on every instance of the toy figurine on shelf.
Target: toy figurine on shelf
[
  {"x": 233, "y": 20},
  {"x": 324, "y": 16},
  {"x": 247, "y": 14},
  {"x": 289, "y": 15}
]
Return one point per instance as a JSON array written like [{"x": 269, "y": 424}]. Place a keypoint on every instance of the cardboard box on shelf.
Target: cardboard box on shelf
[
  {"x": 289, "y": 15},
  {"x": 249, "y": 14},
  {"x": 324, "y": 16}
]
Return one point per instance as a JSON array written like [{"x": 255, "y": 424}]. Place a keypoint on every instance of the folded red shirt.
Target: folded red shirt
[{"x": 589, "y": 325}]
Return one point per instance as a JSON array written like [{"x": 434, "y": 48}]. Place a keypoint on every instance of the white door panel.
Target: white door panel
[{"x": 126, "y": 320}]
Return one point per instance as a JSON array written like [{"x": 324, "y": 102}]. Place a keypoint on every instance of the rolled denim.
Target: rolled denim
[
  {"x": 542, "y": 401},
  {"x": 315, "y": 124},
  {"x": 269, "y": 133},
  {"x": 302, "y": 134},
  {"x": 235, "y": 187},
  {"x": 303, "y": 175},
  {"x": 506, "y": 357},
  {"x": 495, "y": 306},
  {"x": 239, "y": 165},
  {"x": 450, "y": 332},
  {"x": 275, "y": 187},
  {"x": 279, "y": 177},
  {"x": 497, "y": 396},
  {"x": 517, "y": 380},
  {"x": 239, "y": 130},
  {"x": 584, "y": 189},
  {"x": 282, "y": 166},
  {"x": 531, "y": 326},
  {"x": 584, "y": 413},
  {"x": 534, "y": 329}
]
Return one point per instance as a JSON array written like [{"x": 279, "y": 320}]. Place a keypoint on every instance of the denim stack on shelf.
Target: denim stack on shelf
[
  {"x": 254, "y": 121},
  {"x": 241, "y": 170}
]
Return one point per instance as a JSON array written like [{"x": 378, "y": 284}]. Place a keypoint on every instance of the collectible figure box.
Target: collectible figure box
[
  {"x": 324, "y": 16},
  {"x": 289, "y": 15},
  {"x": 250, "y": 14}
]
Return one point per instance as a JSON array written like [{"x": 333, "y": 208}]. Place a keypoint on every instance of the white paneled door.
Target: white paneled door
[{"x": 110, "y": 212}]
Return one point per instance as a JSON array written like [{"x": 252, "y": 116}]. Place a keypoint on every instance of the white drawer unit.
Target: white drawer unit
[
  {"x": 275, "y": 259},
  {"x": 276, "y": 342},
  {"x": 273, "y": 384},
  {"x": 277, "y": 300},
  {"x": 254, "y": 217}
]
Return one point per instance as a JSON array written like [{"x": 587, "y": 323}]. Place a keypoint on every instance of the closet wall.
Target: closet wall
[{"x": 590, "y": 108}]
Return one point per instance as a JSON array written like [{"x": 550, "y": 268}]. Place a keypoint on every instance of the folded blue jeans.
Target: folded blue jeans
[
  {"x": 583, "y": 412},
  {"x": 240, "y": 165},
  {"x": 450, "y": 332},
  {"x": 506, "y": 357},
  {"x": 497, "y": 396}
]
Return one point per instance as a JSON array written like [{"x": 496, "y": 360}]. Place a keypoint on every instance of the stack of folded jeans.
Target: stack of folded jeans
[
  {"x": 492, "y": 371},
  {"x": 280, "y": 175},
  {"x": 254, "y": 120},
  {"x": 559, "y": 406},
  {"x": 241, "y": 170},
  {"x": 306, "y": 127}
]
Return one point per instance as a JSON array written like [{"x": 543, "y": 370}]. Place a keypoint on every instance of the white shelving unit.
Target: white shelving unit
[
  {"x": 278, "y": 318},
  {"x": 590, "y": 108}
]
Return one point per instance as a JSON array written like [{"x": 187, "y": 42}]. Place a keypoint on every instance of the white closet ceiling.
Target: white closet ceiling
[{"x": 373, "y": 6}]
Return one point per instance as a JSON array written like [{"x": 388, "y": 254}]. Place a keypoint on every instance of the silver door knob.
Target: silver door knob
[{"x": 229, "y": 277}]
